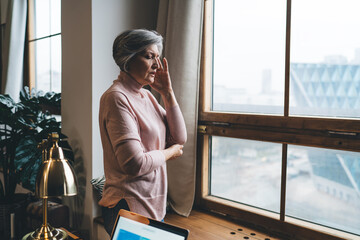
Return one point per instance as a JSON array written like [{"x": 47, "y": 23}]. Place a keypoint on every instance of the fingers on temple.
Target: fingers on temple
[
  {"x": 165, "y": 64},
  {"x": 158, "y": 61}
]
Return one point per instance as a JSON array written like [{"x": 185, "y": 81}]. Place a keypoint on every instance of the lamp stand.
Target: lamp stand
[
  {"x": 46, "y": 231},
  {"x": 55, "y": 178}
]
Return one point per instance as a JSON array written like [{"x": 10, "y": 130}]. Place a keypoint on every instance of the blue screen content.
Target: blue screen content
[
  {"x": 125, "y": 235},
  {"x": 127, "y": 229}
]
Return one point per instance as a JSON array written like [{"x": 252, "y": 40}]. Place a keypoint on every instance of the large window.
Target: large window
[
  {"x": 280, "y": 113},
  {"x": 45, "y": 45}
]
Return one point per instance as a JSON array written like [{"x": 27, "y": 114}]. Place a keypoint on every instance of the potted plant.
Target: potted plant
[{"x": 23, "y": 126}]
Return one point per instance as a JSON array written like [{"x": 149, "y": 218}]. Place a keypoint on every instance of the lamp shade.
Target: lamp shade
[{"x": 56, "y": 176}]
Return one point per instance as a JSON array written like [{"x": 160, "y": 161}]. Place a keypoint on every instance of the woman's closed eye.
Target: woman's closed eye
[{"x": 150, "y": 56}]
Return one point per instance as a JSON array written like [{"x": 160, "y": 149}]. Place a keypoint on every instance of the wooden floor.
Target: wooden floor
[{"x": 203, "y": 226}]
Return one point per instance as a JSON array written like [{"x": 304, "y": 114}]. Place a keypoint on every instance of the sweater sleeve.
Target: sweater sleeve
[
  {"x": 123, "y": 132},
  {"x": 176, "y": 126}
]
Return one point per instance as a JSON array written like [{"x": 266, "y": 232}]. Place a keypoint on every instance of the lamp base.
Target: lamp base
[{"x": 46, "y": 233}]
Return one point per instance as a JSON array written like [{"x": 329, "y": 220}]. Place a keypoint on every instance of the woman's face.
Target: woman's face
[{"x": 143, "y": 66}]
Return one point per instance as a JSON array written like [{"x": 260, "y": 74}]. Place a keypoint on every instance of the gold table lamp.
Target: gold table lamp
[{"x": 55, "y": 178}]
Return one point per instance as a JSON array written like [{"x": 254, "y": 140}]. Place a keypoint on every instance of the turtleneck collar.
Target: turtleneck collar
[{"x": 129, "y": 82}]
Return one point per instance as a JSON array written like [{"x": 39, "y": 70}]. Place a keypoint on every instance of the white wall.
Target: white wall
[
  {"x": 76, "y": 109},
  {"x": 109, "y": 20},
  {"x": 88, "y": 30}
]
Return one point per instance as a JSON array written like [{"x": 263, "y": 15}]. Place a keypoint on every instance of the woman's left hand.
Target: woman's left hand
[{"x": 162, "y": 82}]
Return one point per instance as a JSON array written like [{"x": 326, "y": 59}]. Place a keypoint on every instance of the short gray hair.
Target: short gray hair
[{"x": 132, "y": 42}]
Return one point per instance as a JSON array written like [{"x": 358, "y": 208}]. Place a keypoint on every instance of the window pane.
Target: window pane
[
  {"x": 47, "y": 17},
  {"x": 55, "y": 8},
  {"x": 246, "y": 171},
  {"x": 42, "y": 18},
  {"x": 42, "y": 64},
  {"x": 48, "y": 64},
  {"x": 325, "y": 58},
  {"x": 56, "y": 63},
  {"x": 323, "y": 187},
  {"x": 249, "y": 56}
]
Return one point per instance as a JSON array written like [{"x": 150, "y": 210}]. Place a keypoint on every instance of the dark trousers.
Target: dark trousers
[{"x": 110, "y": 214}]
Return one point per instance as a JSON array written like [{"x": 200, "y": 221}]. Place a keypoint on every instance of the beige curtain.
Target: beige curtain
[
  {"x": 13, "y": 48},
  {"x": 180, "y": 23}
]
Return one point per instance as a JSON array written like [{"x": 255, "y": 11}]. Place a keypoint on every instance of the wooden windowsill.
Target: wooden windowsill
[{"x": 207, "y": 226}]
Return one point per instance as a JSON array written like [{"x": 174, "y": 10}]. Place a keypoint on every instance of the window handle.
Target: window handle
[{"x": 202, "y": 129}]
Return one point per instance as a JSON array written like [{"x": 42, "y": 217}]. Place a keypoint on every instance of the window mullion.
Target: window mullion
[
  {"x": 287, "y": 59},
  {"x": 40, "y": 38},
  {"x": 283, "y": 182},
  {"x": 286, "y": 111}
]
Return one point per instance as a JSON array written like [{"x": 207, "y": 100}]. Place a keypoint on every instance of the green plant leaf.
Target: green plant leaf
[
  {"x": 7, "y": 106},
  {"x": 6, "y": 102},
  {"x": 22, "y": 126},
  {"x": 28, "y": 161},
  {"x": 25, "y": 94}
]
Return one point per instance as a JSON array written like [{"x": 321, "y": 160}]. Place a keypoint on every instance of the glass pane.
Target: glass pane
[
  {"x": 42, "y": 18},
  {"x": 323, "y": 187},
  {"x": 249, "y": 56},
  {"x": 56, "y": 63},
  {"x": 325, "y": 58},
  {"x": 246, "y": 171},
  {"x": 48, "y": 64},
  {"x": 55, "y": 8},
  {"x": 42, "y": 64},
  {"x": 47, "y": 17}
]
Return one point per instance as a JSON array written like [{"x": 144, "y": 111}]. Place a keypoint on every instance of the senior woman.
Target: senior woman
[{"x": 138, "y": 135}]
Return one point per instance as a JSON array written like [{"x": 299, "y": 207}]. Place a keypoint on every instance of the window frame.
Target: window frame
[
  {"x": 30, "y": 79},
  {"x": 320, "y": 132},
  {"x": 31, "y": 50}
]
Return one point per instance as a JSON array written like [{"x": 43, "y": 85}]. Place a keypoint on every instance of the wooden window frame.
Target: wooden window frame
[
  {"x": 330, "y": 133},
  {"x": 30, "y": 49},
  {"x": 30, "y": 79}
]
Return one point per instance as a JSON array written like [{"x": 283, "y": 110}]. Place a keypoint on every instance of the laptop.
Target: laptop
[{"x": 133, "y": 226}]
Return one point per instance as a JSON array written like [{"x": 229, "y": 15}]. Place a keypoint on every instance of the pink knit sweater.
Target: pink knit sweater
[{"x": 133, "y": 128}]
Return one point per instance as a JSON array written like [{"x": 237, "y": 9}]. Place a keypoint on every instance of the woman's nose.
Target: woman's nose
[{"x": 155, "y": 64}]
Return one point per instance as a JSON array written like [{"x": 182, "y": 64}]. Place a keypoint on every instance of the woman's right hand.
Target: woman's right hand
[{"x": 173, "y": 152}]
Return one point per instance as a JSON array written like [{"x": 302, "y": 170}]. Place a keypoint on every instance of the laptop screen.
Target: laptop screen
[{"x": 149, "y": 229}]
